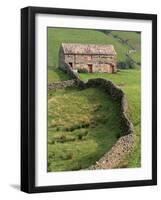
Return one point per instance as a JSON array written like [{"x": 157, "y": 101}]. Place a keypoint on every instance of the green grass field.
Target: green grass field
[
  {"x": 129, "y": 81},
  {"x": 82, "y": 126}
]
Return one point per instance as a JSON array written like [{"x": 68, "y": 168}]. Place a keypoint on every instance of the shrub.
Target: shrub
[
  {"x": 82, "y": 70},
  {"x": 122, "y": 65}
]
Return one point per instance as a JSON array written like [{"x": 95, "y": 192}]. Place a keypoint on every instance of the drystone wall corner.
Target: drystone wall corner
[
  {"x": 117, "y": 95},
  {"x": 72, "y": 74}
]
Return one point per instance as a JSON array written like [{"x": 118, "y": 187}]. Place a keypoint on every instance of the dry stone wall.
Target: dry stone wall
[
  {"x": 61, "y": 84},
  {"x": 72, "y": 74},
  {"x": 112, "y": 158},
  {"x": 117, "y": 95},
  {"x": 125, "y": 143}
]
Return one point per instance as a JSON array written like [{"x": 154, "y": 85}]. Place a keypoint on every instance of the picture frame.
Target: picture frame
[{"x": 29, "y": 51}]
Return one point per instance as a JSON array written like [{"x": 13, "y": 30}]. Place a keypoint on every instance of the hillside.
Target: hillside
[
  {"x": 132, "y": 40},
  {"x": 56, "y": 36}
]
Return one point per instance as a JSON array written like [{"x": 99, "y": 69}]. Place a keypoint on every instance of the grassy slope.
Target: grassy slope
[
  {"x": 56, "y": 36},
  {"x": 82, "y": 126},
  {"x": 129, "y": 81},
  {"x": 134, "y": 39},
  {"x": 56, "y": 75}
]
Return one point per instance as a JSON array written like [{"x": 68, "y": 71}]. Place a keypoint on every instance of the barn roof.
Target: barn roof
[{"x": 77, "y": 48}]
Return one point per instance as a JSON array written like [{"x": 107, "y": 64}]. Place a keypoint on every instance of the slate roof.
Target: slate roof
[{"x": 78, "y": 48}]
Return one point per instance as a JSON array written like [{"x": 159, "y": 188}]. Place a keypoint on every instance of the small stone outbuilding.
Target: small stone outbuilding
[{"x": 88, "y": 57}]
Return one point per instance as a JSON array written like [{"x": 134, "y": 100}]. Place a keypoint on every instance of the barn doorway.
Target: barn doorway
[
  {"x": 71, "y": 64},
  {"x": 90, "y": 68},
  {"x": 112, "y": 67}
]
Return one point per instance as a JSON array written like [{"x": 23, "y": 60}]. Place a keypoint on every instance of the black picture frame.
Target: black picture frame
[{"x": 28, "y": 98}]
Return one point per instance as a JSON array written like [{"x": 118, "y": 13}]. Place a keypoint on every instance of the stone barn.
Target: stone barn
[{"x": 87, "y": 57}]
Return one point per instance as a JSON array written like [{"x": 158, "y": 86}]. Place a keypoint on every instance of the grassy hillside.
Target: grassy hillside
[
  {"x": 133, "y": 40},
  {"x": 129, "y": 81},
  {"x": 56, "y": 36},
  {"x": 80, "y": 130}
]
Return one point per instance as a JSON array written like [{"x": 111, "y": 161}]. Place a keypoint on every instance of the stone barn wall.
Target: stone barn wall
[
  {"x": 62, "y": 63},
  {"x": 100, "y": 63},
  {"x": 102, "y": 68}
]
